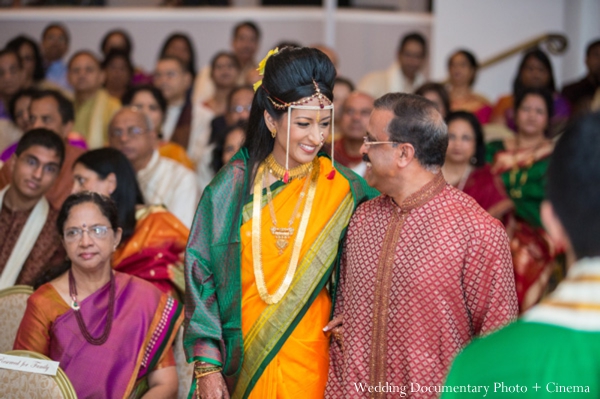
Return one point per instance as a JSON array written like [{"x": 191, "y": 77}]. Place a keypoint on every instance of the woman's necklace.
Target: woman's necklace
[
  {"x": 279, "y": 171},
  {"x": 109, "y": 316},
  {"x": 516, "y": 190},
  {"x": 282, "y": 234}
]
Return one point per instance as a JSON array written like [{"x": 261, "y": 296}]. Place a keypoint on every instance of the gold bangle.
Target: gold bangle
[{"x": 205, "y": 373}]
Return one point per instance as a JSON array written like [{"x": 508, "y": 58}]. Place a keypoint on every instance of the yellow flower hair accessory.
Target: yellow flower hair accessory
[{"x": 261, "y": 67}]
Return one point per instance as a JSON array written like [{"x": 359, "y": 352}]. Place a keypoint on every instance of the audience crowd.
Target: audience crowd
[{"x": 81, "y": 135}]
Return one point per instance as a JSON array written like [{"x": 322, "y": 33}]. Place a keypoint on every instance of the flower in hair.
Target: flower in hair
[{"x": 261, "y": 67}]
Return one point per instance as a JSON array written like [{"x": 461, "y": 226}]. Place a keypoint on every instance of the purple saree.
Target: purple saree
[{"x": 144, "y": 326}]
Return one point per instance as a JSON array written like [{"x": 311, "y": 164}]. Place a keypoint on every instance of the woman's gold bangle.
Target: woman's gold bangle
[{"x": 207, "y": 371}]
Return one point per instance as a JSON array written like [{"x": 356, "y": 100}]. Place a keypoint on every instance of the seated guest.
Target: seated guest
[
  {"x": 535, "y": 71},
  {"x": 580, "y": 94},
  {"x": 521, "y": 162},
  {"x": 244, "y": 44},
  {"x": 173, "y": 79},
  {"x": 353, "y": 128},
  {"x": 28, "y": 242},
  {"x": 554, "y": 346},
  {"x": 341, "y": 90},
  {"x": 118, "y": 39},
  {"x": 110, "y": 332},
  {"x": 94, "y": 107},
  {"x": 465, "y": 166},
  {"x": 404, "y": 75},
  {"x": 11, "y": 79},
  {"x": 33, "y": 65},
  {"x": 55, "y": 45},
  {"x": 239, "y": 103},
  {"x": 118, "y": 70},
  {"x": 19, "y": 108},
  {"x": 462, "y": 69},
  {"x": 225, "y": 70},
  {"x": 11, "y": 131},
  {"x": 180, "y": 46},
  {"x": 437, "y": 93},
  {"x": 223, "y": 151},
  {"x": 150, "y": 101},
  {"x": 153, "y": 239},
  {"x": 162, "y": 180},
  {"x": 51, "y": 110}
]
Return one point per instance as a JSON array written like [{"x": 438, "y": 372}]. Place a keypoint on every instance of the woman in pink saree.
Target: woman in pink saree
[{"x": 111, "y": 332}]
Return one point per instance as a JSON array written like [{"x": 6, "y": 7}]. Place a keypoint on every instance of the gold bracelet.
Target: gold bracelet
[{"x": 199, "y": 374}]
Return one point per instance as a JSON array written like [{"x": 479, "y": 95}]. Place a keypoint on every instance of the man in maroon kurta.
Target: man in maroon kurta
[
  {"x": 29, "y": 242},
  {"x": 424, "y": 269}
]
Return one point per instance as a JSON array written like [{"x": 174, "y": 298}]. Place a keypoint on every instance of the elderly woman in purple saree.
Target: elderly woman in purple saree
[{"x": 115, "y": 342}]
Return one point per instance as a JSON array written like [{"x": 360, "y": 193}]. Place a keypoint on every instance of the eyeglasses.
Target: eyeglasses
[
  {"x": 75, "y": 234},
  {"x": 132, "y": 131},
  {"x": 369, "y": 141},
  {"x": 240, "y": 108}
]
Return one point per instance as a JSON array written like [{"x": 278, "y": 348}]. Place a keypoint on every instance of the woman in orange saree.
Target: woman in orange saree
[
  {"x": 153, "y": 239},
  {"x": 265, "y": 243}
]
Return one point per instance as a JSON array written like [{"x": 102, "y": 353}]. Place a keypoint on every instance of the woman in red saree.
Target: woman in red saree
[
  {"x": 465, "y": 166},
  {"x": 112, "y": 333},
  {"x": 153, "y": 239},
  {"x": 462, "y": 68}
]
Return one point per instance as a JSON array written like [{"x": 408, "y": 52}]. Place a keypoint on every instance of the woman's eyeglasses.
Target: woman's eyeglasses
[{"x": 95, "y": 232}]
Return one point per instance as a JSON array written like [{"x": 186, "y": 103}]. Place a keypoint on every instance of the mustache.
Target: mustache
[{"x": 365, "y": 158}]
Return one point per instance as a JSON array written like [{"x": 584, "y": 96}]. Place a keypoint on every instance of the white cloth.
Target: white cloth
[
  {"x": 204, "y": 88},
  {"x": 171, "y": 118},
  {"x": 391, "y": 80},
  {"x": 200, "y": 130},
  {"x": 26, "y": 241},
  {"x": 164, "y": 181}
]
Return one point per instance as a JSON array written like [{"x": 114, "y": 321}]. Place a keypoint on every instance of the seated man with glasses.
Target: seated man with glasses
[
  {"x": 424, "y": 268},
  {"x": 28, "y": 240},
  {"x": 162, "y": 180}
]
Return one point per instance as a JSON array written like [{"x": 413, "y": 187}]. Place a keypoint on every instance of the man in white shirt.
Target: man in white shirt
[
  {"x": 402, "y": 76},
  {"x": 162, "y": 180}
]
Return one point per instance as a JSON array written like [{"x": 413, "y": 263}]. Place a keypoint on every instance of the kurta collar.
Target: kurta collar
[{"x": 422, "y": 196}]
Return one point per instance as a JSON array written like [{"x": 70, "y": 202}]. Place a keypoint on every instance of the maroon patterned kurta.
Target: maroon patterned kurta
[
  {"x": 47, "y": 251},
  {"x": 418, "y": 281}
]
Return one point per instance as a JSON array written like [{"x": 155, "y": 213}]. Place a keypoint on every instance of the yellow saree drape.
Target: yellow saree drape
[{"x": 300, "y": 367}]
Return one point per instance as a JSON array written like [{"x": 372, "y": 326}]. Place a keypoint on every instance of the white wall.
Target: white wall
[{"x": 488, "y": 27}]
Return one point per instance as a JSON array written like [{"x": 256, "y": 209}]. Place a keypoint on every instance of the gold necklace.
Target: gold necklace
[
  {"x": 279, "y": 171},
  {"x": 516, "y": 191},
  {"x": 256, "y": 237},
  {"x": 283, "y": 234}
]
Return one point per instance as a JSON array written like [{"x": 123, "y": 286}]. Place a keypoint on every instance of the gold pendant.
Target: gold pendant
[
  {"x": 282, "y": 237},
  {"x": 516, "y": 193}
]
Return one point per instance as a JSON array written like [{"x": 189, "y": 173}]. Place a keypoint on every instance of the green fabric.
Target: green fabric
[
  {"x": 527, "y": 353},
  {"x": 528, "y": 206},
  {"x": 213, "y": 269}
]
